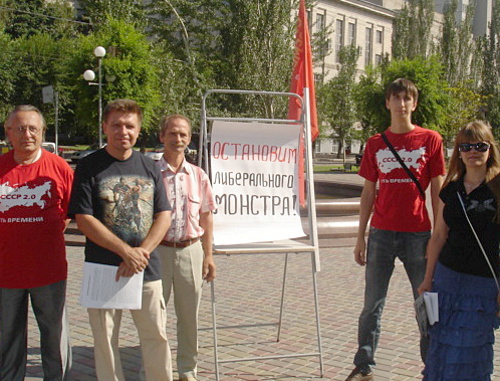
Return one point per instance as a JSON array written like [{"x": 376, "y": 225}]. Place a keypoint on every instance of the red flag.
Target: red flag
[{"x": 303, "y": 78}]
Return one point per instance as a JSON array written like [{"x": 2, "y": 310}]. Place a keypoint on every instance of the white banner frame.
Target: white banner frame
[{"x": 285, "y": 247}]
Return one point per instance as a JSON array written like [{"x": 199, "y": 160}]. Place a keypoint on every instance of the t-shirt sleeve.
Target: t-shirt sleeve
[
  {"x": 437, "y": 164},
  {"x": 81, "y": 194},
  {"x": 160, "y": 196},
  {"x": 369, "y": 169},
  {"x": 447, "y": 192},
  {"x": 68, "y": 184}
]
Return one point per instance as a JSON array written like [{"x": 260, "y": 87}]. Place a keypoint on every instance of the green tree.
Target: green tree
[
  {"x": 128, "y": 71},
  {"x": 24, "y": 18},
  {"x": 428, "y": 76},
  {"x": 412, "y": 30},
  {"x": 39, "y": 61},
  {"x": 491, "y": 72},
  {"x": 262, "y": 58},
  {"x": 336, "y": 98},
  {"x": 457, "y": 45},
  {"x": 230, "y": 44},
  {"x": 367, "y": 92},
  {"x": 179, "y": 92},
  {"x": 99, "y": 12},
  {"x": 9, "y": 66},
  {"x": 464, "y": 106}
]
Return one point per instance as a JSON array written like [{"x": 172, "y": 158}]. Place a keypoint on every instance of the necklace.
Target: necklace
[{"x": 469, "y": 187}]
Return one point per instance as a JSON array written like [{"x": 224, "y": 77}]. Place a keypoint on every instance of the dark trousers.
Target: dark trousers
[{"x": 48, "y": 303}]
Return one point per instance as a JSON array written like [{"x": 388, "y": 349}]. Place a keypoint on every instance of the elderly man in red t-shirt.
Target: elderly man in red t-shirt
[{"x": 35, "y": 187}]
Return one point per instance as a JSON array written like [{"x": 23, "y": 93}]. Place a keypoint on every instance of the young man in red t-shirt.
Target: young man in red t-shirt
[{"x": 400, "y": 225}]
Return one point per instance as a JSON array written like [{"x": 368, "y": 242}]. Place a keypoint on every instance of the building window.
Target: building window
[
  {"x": 378, "y": 59},
  {"x": 351, "y": 33},
  {"x": 379, "y": 36},
  {"x": 320, "y": 22},
  {"x": 339, "y": 39},
  {"x": 368, "y": 46}
]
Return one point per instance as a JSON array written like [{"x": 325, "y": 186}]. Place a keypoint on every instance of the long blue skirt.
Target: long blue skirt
[{"x": 461, "y": 343}]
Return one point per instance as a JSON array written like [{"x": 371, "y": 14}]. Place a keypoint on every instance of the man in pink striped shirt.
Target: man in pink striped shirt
[{"x": 186, "y": 250}]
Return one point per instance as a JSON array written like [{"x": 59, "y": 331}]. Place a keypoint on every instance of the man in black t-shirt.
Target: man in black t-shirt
[{"x": 118, "y": 180}]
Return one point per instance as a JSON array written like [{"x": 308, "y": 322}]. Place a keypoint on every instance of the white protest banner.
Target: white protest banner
[{"x": 253, "y": 167}]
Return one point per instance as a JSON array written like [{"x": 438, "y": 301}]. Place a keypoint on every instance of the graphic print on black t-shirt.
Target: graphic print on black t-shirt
[
  {"x": 480, "y": 207},
  {"x": 128, "y": 206}
]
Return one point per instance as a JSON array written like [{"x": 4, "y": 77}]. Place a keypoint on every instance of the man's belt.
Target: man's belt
[{"x": 180, "y": 244}]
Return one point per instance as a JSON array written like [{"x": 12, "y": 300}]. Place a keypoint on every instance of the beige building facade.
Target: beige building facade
[{"x": 353, "y": 22}]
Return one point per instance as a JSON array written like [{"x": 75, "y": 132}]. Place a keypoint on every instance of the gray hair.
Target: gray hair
[{"x": 26, "y": 108}]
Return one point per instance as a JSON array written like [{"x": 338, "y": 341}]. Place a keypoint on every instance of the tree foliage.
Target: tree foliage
[
  {"x": 464, "y": 106},
  {"x": 229, "y": 44},
  {"x": 428, "y": 76},
  {"x": 412, "y": 30},
  {"x": 167, "y": 55},
  {"x": 458, "y": 46},
  {"x": 99, "y": 12},
  {"x": 262, "y": 53},
  {"x": 370, "y": 109},
  {"x": 336, "y": 97},
  {"x": 127, "y": 72},
  {"x": 491, "y": 72},
  {"x": 25, "y": 18}
]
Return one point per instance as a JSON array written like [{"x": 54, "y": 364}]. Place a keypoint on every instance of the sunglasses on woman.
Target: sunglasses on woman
[{"x": 479, "y": 147}]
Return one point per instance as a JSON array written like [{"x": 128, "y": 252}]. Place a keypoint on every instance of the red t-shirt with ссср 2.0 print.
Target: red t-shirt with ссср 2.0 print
[
  {"x": 33, "y": 204},
  {"x": 398, "y": 205}
]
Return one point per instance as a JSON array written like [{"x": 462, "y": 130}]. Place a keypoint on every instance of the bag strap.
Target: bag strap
[
  {"x": 410, "y": 173},
  {"x": 478, "y": 241}
]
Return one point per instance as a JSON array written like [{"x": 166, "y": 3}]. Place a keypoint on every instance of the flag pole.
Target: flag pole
[{"x": 311, "y": 198}]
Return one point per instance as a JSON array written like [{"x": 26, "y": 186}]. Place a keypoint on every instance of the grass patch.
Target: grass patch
[{"x": 326, "y": 168}]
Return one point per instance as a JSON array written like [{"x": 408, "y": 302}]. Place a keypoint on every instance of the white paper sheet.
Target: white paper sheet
[
  {"x": 255, "y": 182},
  {"x": 101, "y": 290},
  {"x": 432, "y": 306}
]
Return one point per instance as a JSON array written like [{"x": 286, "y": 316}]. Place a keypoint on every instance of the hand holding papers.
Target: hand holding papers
[
  {"x": 427, "y": 311},
  {"x": 101, "y": 290}
]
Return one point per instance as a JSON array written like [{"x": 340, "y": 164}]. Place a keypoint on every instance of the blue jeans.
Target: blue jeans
[{"x": 384, "y": 246}]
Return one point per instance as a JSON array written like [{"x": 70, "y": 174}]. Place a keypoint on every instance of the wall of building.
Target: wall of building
[{"x": 357, "y": 22}]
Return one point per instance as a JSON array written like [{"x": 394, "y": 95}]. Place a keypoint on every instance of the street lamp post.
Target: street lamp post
[{"x": 89, "y": 76}]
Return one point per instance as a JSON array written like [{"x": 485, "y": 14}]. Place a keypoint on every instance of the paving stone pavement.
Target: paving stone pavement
[{"x": 248, "y": 290}]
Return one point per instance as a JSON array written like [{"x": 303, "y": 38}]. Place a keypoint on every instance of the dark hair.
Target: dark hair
[
  {"x": 402, "y": 85},
  {"x": 26, "y": 108},
  {"x": 165, "y": 121},
  {"x": 123, "y": 105}
]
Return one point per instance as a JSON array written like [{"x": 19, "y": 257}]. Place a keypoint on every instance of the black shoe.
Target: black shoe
[{"x": 359, "y": 374}]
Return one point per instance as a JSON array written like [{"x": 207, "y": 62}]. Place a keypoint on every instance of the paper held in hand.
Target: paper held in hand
[
  {"x": 427, "y": 311},
  {"x": 101, "y": 290},
  {"x": 432, "y": 306}
]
